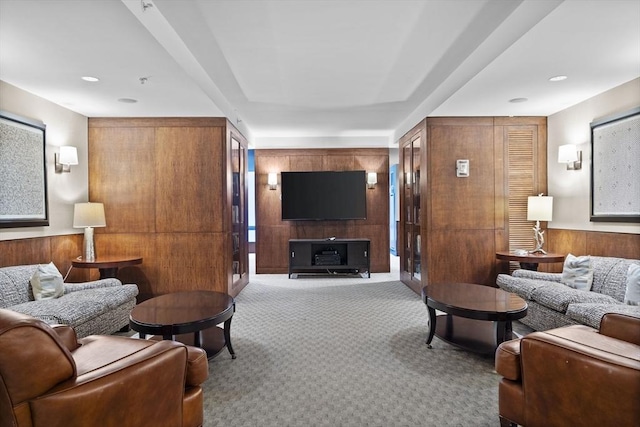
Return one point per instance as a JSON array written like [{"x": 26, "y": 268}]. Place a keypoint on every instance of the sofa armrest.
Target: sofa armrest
[
  {"x": 67, "y": 335},
  {"x": 508, "y": 360},
  {"x": 197, "y": 366},
  {"x": 83, "y": 286},
  {"x": 621, "y": 326},
  {"x": 538, "y": 275}
]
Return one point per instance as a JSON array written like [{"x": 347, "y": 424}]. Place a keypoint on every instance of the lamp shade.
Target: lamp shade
[
  {"x": 68, "y": 155},
  {"x": 88, "y": 215},
  {"x": 272, "y": 179},
  {"x": 372, "y": 178},
  {"x": 539, "y": 208},
  {"x": 567, "y": 153}
]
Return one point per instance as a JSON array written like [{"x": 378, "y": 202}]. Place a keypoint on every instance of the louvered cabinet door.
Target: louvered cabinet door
[{"x": 522, "y": 182}]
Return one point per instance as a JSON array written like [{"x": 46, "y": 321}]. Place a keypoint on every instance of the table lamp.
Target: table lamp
[
  {"x": 539, "y": 208},
  {"x": 88, "y": 216}
]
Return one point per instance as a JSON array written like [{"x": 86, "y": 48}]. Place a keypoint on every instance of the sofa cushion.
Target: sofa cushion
[
  {"x": 632, "y": 294},
  {"x": 79, "y": 307},
  {"x": 46, "y": 282},
  {"x": 577, "y": 272},
  {"x": 14, "y": 284},
  {"x": 591, "y": 313},
  {"x": 610, "y": 275},
  {"x": 558, "y": 296},
  {"x": 524, "y": 288}
]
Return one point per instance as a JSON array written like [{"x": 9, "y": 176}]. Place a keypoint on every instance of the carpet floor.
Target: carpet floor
[{"x": 343, "y": 352}]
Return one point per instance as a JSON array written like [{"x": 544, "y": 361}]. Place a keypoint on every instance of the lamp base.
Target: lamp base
[
  {"x": 538, "y": 235},
  {"x": 89, "y": 249}
]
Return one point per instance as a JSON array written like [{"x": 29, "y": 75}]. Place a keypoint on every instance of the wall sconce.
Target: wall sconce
[
  {"x": 372, "y": 180},
  {"x": 88, "y": 216},
  {"x": 570, "y": 155},
  {"x": 68, "y": 156},
  {"x": 272, "y": 180},
  {"x": 539, "y": 208}
]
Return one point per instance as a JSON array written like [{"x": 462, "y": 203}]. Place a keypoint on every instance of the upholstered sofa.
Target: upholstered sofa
[
  {"x": 552, "y": 304},
  {"x": 50, "y": 378},
  {"x": 572, "y": 376},
  {"x": 97, "y": 307}
]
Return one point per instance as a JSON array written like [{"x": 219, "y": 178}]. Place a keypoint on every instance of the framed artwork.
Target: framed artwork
[
  {"x": 23, "y": 174},
  {"x": 615, "y": 168}
]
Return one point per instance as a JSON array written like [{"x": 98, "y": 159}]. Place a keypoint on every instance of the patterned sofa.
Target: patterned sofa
[
  {"x": 552, "y": 304},
  {"x": 92, "y": 308}
]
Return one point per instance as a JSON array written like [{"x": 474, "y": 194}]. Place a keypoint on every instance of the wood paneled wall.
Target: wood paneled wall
[
  {"x": 163, "y": 182},
  {"x": 42, "y": 250},
  {"x": 273, "y": 234},
  {"x": 581, "y": 242}
]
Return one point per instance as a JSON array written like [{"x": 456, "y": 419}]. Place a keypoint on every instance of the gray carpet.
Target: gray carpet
[{"x": 343, "y": 352}]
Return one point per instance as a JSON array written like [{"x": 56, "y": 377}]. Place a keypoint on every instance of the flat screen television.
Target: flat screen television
[{"x": 323, "y": 195}]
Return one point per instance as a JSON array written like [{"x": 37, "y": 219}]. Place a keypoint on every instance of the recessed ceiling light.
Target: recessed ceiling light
[
  {"x": 128, "y": 100},
  {"x": 517, "y": 100},
  {"x": 557, "y": 78},
  {"x": 90, "y": 79}
]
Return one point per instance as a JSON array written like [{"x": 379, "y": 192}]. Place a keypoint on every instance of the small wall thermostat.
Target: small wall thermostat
[{"x": 462, "y": 168}]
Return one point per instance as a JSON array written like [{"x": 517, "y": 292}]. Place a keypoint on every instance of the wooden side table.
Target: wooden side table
[
  {"x": 108, "y": 265},
  {"x": 529, "y": 261}
]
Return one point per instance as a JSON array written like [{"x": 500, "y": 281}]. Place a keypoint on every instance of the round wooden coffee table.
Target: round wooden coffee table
[
  {"x": 478, "y": 318},
  {"x": 190, "y": 317}
]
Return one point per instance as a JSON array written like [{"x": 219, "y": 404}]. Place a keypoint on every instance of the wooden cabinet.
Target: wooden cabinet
[
  {"x": 239, "y": 219},
  {"x": 451, "y": 227},
  {"x": 175, "y": 193},
  {"x": 412, "y": 147},
  {"x": 329, "y": 256}
]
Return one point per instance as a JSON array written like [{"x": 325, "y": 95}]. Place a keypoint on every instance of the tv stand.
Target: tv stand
[{"x": 324, "y": 256}]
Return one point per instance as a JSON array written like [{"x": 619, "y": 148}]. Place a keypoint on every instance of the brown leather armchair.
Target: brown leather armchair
[
  {"x": 50, "y": 378},
  {"x": 572, "y": 376}
]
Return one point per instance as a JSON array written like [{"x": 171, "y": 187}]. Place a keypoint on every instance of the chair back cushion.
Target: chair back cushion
[{"x": 33, "y": 358}]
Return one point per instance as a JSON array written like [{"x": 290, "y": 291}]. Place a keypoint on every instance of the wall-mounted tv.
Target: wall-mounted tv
[{"x": 323, "y": 195}]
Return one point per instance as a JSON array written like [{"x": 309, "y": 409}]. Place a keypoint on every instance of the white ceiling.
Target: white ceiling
[{"x": 319, "y": 73}]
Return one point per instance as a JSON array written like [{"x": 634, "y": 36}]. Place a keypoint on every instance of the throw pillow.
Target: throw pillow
[
  {"x": 632, "y": 295},
  {"x": 577, "y": 272},
  {"x": 46, "y": 282}
]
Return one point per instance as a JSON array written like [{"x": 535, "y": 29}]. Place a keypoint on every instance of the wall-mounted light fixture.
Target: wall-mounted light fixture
[
  {"x": 372, "y": 180},
  {"x": 68, "y": 156},
  {"x": 539, "y": 208},
  {"x": 272, "y": 180},
  {"x": 88, "y": 216},
  {"x": 570, "y": 155}
]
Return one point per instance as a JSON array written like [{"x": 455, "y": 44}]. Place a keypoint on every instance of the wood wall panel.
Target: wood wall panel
[
  {"x": 271, "y": 251},
  {"x": 304, "y": 162},
  {"x": 466, "y": 256},
  {"x": 338, "y": 163},
  {"x": 187, "y": 204},
  {"x": 128, "y": 193},
  {"x": 461, "y": 203},
  {"x": 580, "y": 242},
  {"x": 273, "y": 238},
  {"x": 190, "y": 261}
]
